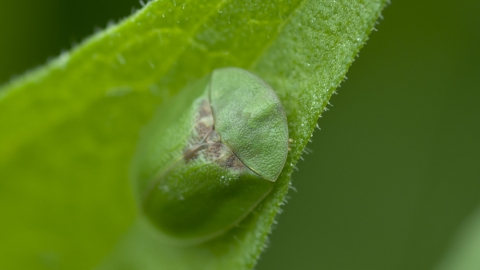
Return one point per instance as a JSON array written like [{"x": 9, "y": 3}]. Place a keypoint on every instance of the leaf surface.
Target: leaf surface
[
  {"x": 69, "y": 129},
  {"x": 463, "y": 253}
]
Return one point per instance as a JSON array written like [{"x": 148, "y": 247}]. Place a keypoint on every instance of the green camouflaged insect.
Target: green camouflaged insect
[{"x": 208, "y": 159}]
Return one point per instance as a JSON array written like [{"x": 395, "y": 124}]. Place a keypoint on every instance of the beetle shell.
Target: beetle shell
[{"x": 207, "y": 160}]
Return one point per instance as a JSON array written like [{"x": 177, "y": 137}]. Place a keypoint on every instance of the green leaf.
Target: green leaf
[
  {"x": 69, "y": 129},
  {"x": 464, "y": 253}
]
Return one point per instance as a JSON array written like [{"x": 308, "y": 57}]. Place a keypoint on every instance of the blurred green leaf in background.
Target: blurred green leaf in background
[
  {"x": 394, "y": 171},
  {"x": 465, "y": 250}
]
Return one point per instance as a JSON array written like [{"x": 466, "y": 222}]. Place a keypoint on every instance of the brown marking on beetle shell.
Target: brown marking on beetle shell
[
  {"x": 203, "y": 124},
  {"x": 234, "y": 163},
  {"x": 202, "y": 128},
  {"x": 206, "y": 142},
  {"x": 193, "y": 153},
  {"x": 223, "y": 156},
  {"x": 215, "y": 151},
  {"x": 213, "y": 137}
]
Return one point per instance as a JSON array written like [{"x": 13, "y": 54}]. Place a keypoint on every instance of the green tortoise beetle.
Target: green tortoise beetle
[{"x": 204, "y": 163}]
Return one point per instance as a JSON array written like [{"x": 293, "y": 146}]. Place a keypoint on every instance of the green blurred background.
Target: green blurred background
[{"x": 395, "y": 169}]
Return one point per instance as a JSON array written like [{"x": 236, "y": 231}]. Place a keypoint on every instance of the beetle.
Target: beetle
[{"x": 210, "y": 157}]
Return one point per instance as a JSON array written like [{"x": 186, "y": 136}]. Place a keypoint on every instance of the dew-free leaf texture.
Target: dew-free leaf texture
[
  {"x": 68, "y": 130},
  {"x": 464, "y": 253}
]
